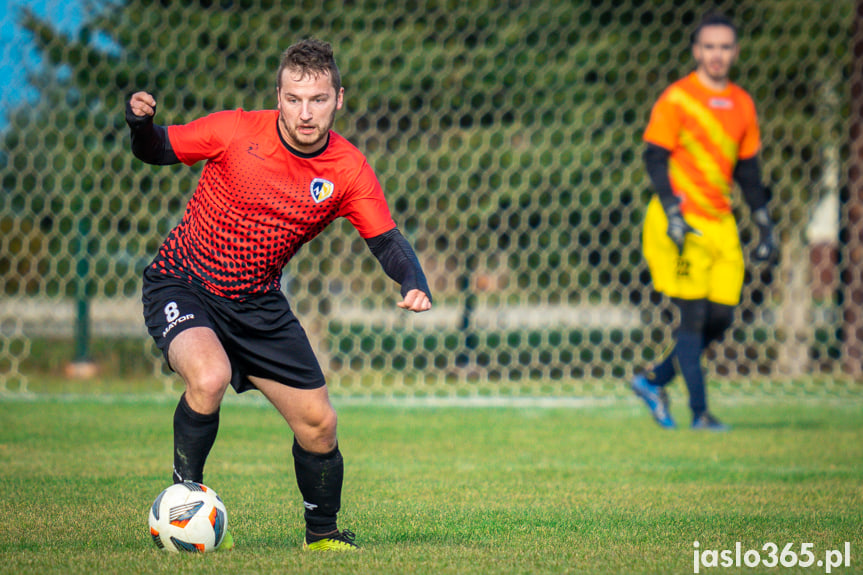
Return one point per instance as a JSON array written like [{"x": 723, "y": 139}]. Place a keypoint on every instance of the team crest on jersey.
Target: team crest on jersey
[{"x": 321, "y": 189}]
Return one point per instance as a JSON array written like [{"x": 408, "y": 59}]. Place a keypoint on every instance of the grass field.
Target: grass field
[{"x": 518, "y": 489}]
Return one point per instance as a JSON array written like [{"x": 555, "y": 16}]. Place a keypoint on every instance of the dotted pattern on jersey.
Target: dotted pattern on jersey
[
  {"x": 251, "y": 212},
  {"x": 236, "y": 243}
]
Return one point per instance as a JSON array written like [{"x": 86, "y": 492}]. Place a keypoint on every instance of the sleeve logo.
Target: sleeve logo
[{"x": 321, "y": 189}]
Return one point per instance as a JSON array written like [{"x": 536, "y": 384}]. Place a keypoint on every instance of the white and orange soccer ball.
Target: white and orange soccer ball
[{"x": 188, "y": 517}]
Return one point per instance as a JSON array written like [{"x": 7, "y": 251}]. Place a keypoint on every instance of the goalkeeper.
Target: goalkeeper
[{"x": 702, "y": 136}]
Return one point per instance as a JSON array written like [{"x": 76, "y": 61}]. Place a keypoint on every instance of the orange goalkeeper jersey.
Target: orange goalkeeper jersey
[{"x": 707, "y": 132}]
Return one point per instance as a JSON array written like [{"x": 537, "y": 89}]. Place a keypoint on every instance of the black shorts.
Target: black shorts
[{"x": 261, "y": 335}]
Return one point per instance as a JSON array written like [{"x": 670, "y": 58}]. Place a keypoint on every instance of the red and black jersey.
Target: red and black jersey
[{"x": 258, "y": 201}]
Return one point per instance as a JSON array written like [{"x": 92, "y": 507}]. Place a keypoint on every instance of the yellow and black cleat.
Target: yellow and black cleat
[
  {"x": 336, "y": 541},
  {"x": 227, "y": 542}
]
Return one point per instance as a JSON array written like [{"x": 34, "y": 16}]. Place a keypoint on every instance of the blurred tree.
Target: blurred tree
[
  {"x": 853, "y": 251},
  {"x": 506, "y": 134}
]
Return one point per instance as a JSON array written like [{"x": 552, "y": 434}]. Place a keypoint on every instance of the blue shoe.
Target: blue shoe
[
  {"x": 655, "y": 398},
  {"x": 706, "y": 421}
]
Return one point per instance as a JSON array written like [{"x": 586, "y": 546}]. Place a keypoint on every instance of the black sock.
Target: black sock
[
  {"x": 689, "y": 348},
  {"x": 194, "y": 435},
  {"x": 664, "y": 372},
  {"x": 319, "y": 478}
]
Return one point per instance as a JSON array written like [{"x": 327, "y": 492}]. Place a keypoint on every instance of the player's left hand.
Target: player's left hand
[
  {"x": 766, "y": 248},
  {"x": 416, "y": 301}
]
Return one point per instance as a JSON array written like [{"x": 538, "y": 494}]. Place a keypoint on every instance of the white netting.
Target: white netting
[{"x": 507, "y": 137}]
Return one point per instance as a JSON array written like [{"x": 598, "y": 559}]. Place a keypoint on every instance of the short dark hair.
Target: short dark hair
[
  {"x": 310, "y": 57},
  {"x": 712, "y": 19}
]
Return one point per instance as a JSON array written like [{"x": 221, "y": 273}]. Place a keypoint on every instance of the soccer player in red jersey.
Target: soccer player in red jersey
[
  {"x": 702, "y": 137},
  {"x": 272, "y": 181}
]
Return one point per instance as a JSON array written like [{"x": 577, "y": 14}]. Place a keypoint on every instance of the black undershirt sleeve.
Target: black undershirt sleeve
[
  {"x": 399, "y": 261},
  {"x": 747, "y": 173},
  {"x": 656, "y": 163},
  {"x": 150, "y": 142}
]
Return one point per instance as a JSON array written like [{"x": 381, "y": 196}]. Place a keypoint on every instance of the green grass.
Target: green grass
[{"x": 596, "y": 489}]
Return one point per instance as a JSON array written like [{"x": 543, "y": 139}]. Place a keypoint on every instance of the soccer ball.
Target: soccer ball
[{"x": 188, "y": 517}]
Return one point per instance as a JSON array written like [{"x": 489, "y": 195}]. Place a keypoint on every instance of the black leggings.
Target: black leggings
[{"x": 702, "y": 316}]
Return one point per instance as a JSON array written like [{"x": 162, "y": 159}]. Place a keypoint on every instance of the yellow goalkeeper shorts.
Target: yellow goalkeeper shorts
[{"x": 711, "y": 265}]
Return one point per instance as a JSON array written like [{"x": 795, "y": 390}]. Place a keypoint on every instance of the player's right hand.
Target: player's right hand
[
  {"x": 678, "y": 227},
  {"x": 142, "y": 104},
  {"x": 416, "y": 301}
]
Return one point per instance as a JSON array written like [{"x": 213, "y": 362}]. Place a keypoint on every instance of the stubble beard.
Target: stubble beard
[
  {"x": 721, "y": 75},
  {"x": 306, "y": 141}
]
